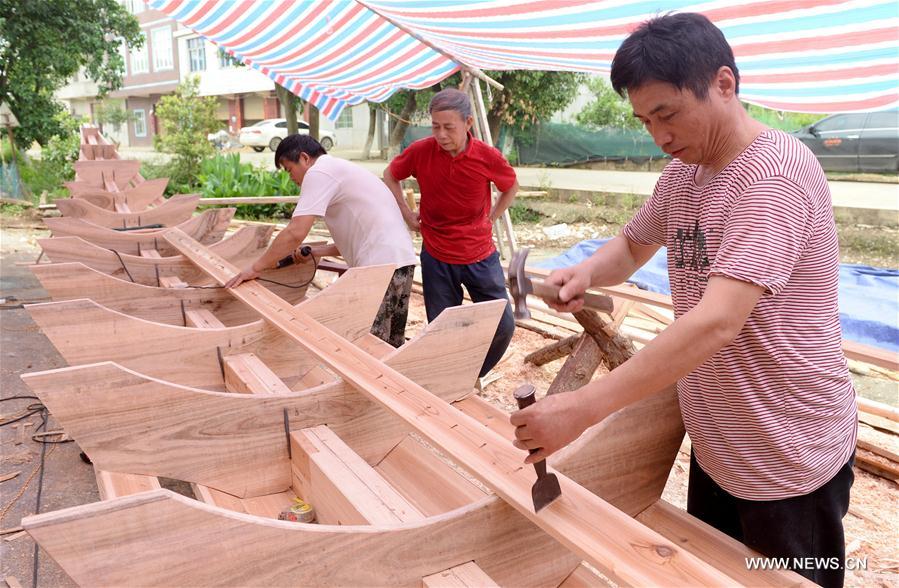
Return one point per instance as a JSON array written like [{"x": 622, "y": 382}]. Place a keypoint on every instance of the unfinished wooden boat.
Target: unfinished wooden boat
[
  {"x": 147, "y": 193},
  {"x": 168, "y": 305},
  {"x": 391, "y": 509},
  {"x": 207, "y": 227},
  {"x": 106, "y": 174},
  {"x": 86, "y": 332},
  {"x": 173, "y": 211},
  {"x": 244, "y": 246},
  {"x": 90, "y": 152}
]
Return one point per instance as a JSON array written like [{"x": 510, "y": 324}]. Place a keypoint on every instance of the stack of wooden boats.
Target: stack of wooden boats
[{"x": 258, "y": 395}]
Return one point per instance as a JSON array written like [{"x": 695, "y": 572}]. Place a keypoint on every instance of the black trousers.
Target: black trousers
[{"x": 807, "y": 526}]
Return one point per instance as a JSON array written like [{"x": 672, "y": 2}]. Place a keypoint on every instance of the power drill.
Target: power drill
[{"x": 304, "y": 251}]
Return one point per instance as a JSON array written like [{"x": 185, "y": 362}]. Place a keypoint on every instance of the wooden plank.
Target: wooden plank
[
  {"x": 115, "y": 484},
  {"x": 208, "y": 227},
  {"x": 112, "y": 543},
  {"x": 107, "y": 407},
  {"x": 427, "y": 481},
  {"x": 344, "y": 489},
  {"x": 584, "y": 577},
  {"x": 202, "y": 319},
  {"x": 136, "y": 199},
  {"x": 468, "y": 575},
  {"x": 712, "y": 545},
  {"x": 571, "y": 519},
  {"x": 246, "y": 373},
  {"x": 173, "y": 211},
  {"x": 878, "y": 408}
]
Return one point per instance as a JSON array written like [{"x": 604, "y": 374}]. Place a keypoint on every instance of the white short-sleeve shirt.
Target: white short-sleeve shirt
[{"x": 360, "y": 211}]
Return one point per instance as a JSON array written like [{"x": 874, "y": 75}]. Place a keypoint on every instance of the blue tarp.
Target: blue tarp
[{"x": 869, "y": 296}]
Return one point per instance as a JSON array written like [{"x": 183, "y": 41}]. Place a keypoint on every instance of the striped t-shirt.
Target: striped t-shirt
[{"x": 771, "y": 415}]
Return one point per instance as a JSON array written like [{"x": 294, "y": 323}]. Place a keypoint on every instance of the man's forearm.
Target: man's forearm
[
  {"x": 284, "y": 243},
  {"x": 397, "y": 190},
  {"x": 616, "y": 261},
  {"x": 503, "y": 202}
]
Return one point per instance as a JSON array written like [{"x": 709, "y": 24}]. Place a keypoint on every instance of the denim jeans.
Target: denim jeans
[{"x": 484, "y": 280}]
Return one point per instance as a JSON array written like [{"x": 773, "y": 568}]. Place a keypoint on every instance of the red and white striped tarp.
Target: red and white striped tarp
[{"x": 796, "y": 55}]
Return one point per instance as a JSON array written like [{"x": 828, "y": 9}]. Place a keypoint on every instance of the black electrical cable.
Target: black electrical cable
[{"x": 40, "y": 491}]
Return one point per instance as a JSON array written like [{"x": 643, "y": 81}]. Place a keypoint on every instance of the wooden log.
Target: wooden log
[
  {"x": 173, "y": 211},
  {"x": 615, "y": 349},
  {"x": 553, "y": 351},
  {"x": 610, "y": 546},
  {"x": 578, "y": 369}
]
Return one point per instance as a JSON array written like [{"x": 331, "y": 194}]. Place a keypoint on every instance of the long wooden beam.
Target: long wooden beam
[{"x": 604, "y": 536}]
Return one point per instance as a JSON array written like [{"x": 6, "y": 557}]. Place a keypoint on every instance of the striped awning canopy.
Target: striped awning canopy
[{"x": 796, "y": 55}]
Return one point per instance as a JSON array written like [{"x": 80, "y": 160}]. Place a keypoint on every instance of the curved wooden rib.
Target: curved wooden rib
[
  {"x": 71, "y": 281},
  {"x": 107, "y": 407},
  {"x": 147, "y": 193},
  {"x": 121, "y": 171},
  {"x": 131, "y": 542},
  {"x": 86, "y": 332},
  {"x": 207, "y": 227},
  {"x": 174, "y": 210},
  {"x": 244, "y": 246}
]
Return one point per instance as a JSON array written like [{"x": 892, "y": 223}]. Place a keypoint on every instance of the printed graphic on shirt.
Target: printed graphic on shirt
[{"x": 691, "y": 252}]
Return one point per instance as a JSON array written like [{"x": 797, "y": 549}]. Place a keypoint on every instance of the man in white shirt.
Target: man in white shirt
[{"x": 361, "y": 215}]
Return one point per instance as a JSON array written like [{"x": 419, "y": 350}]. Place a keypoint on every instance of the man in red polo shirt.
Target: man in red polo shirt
[{"x": 454, "y": 171}]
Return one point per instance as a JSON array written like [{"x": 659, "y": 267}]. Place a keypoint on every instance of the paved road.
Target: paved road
[{"x": 863, "y": 195}]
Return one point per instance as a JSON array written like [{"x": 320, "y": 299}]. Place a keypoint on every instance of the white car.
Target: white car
[{"x": 269, "y": 132}]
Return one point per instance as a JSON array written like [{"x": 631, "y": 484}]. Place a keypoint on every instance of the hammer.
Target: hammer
[{"x": 520, "y": 285}]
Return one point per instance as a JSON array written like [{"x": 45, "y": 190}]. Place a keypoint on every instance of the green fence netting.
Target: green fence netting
[{"x": 554, "y": 144}]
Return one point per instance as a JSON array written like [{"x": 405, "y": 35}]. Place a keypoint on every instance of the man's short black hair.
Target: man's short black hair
[
  {"x": 685, "y": 50},
  {"x": 291, "y": 147}
]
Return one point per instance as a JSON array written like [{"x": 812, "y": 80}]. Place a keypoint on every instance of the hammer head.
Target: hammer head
[{"x": 519, "y": 284}]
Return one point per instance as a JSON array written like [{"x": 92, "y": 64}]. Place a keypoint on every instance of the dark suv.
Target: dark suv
[{"x": 855, "y": 142}]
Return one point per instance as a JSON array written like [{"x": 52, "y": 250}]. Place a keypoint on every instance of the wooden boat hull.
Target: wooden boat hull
[
  {"x": 177, "y": 209},
  {"x": 244, "y": 246},
  {"x": 71, "y": 281},
  {"x": 207, "y": 227},
  {"x": 85, "y": 332},
  {"x": 147, "y": 193},
  {"x": 97, "y": 173}
]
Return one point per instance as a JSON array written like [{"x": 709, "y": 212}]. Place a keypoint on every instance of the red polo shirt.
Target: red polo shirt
[{"x": 455, "y": 196}]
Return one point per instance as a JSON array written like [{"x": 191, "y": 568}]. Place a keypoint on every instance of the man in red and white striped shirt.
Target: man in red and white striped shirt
[{"x": 755, "y": 349}]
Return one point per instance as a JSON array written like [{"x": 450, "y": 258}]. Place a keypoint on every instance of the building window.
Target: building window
[
  {"x": 227, "y": 60},
  {"x": 139, "y": 62},
  {"x": 196, "y": 51},
  {"x": 135, "y": 6},
  {"x": 162, "y": 48},
  {"x": 140, "y": 122},
  {"x": 345, "y": 120}
]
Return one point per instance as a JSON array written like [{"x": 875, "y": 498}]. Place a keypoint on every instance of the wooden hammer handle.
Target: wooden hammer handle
[{"x": 592, "y": 300}]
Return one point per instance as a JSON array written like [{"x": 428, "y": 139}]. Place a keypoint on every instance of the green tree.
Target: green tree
[
  {"x": 529, "y": 97},
  {"x": 113, "y": 115},
  {"x": 187, "y": 118},
  {"x": 607, "y": 109},
  {"x": 43, "y": 43}
]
